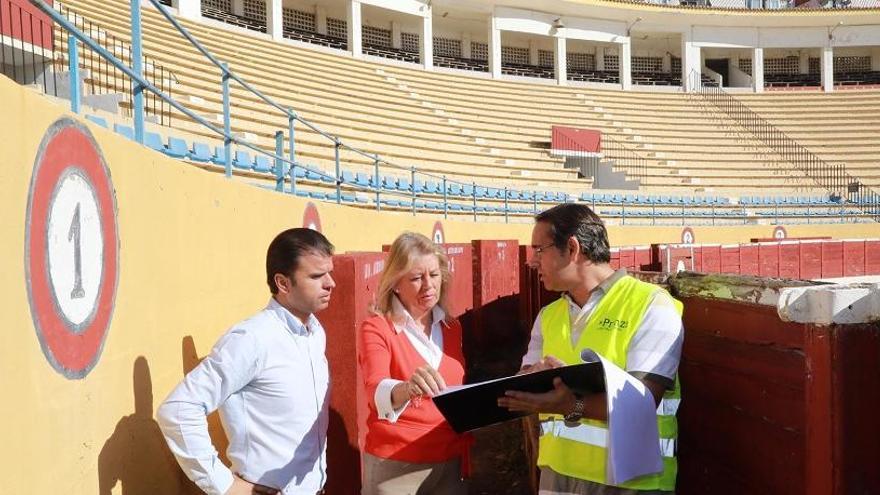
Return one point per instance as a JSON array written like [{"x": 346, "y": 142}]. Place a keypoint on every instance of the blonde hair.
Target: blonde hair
[{"x": 405, "y": 249}]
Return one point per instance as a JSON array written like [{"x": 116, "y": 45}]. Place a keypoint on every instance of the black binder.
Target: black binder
[{"x": 476, "y": 405}]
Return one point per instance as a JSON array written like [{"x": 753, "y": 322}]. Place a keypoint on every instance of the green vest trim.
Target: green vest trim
[{"x": 581, "y": 452}]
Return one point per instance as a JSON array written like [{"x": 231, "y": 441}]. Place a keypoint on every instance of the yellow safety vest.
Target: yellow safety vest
[{"x": 581, "y": 451}]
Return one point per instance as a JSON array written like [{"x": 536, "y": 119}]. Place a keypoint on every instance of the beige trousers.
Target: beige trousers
[{"x": 390, "y": 477}]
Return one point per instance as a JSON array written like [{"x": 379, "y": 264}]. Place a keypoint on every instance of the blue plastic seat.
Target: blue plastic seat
[
  {"x": 219, "y": 156},
  {"x": 432, "y": 187},
  {"x": 347, "y": 177},
  {"x": 403, "y": 185},
  {"x": 153, "y": 141},
  {"x": 262, "y": 164},
  {"x": 200, "y": 152},
  {"x": 124, "y": 131},
  {"x": 360, "y": 179},
  {"x": 299, "y": 172},
  {"x": 389, "y": 182},
  {"x": 467, "y": 190},
  {"x": 176, "y": 148},
  {"x": 242, "y": 160},
  {"x": 454, "y": 189}
]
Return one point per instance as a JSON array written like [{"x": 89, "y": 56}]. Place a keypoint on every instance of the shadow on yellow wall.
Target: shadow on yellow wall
[{"x": 136, "y": 456}]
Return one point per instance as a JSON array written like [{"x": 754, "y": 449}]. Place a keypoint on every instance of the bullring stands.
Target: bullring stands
[{"x": 494, "y": 132}]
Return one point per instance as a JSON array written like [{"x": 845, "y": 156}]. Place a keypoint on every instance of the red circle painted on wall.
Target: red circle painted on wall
[
  {"x": 437, "y": 235},
  {"x": 779, "y": 232},
  {"x": 688, "y": 236},
  {"x": 71, "y": 248},
  {"x": 311, "y": 218}
]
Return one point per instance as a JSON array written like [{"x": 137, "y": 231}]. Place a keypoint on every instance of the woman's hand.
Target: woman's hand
[{"x": 424, "y": 381}]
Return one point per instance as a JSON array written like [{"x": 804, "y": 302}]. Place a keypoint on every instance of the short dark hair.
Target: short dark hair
[
  {"x": 572, "y": 219},
  {"x": 286, "y": 249}
]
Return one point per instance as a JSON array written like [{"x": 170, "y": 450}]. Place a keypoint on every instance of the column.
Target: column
[
  {"x": 274, "y": 19},
  {"x": 804, "y": 62},
  {"x": 827, "y": 69},
  {"x": 666, "y": 63},
  {"x": 758, "y": 70},
  {"x": 238, "y": 7},
  {"x": 395, "y": 35},
  {"x": 354, "y": 28},
  {"x": 534, "y": 59},
  {"x": 466, "y": 40},
  {"x": 625, "y": 58},
  {"x": 320, "y": 19},
  {"x": 561, "y": 61},
  {"x": 691, "y": 69},
  {"x": 188, "y": 9},
  {"x": 875, "y": 59},
  {"x": 600, "y": 58},
  {"x": 426, "y": 53},
  {"x": 494, "y": 49}
]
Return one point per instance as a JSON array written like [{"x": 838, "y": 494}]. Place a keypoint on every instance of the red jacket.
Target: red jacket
[{"x": 421, "y": 434}]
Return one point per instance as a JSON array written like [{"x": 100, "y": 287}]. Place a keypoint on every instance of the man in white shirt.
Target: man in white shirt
[
  {"x": 633, "y": 324},
  {"x": 268, "y": 376}
]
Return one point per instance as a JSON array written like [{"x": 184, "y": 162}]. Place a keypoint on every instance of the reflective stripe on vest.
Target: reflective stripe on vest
[
  {"x": 581, "y": 451},
  {"x": 594, "y": 435}
]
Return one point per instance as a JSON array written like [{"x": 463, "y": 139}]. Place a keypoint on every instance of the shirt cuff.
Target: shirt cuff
[
  {"x": 220, "y": 481},
  {"x": 383, "y": 401}
]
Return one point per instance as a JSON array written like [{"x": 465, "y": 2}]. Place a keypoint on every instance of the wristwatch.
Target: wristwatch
[{"x": 577, "y": 412}]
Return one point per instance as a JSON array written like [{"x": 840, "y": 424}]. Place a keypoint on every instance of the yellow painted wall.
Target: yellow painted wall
[{"x": 192, "y": 248}]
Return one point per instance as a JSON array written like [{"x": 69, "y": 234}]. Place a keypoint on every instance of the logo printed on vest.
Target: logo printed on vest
[{"x": 612, "y": 324}]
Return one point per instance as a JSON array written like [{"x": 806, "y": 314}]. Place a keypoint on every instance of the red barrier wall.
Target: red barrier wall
[
  {"x": 832, "y": 259},
  {"x": 776, "y": 407},
  {"x": 811, "y": 260},
  {"x": 495, "y": 337},
  {"x": 789, "y": 260},
  {"x": 768, "y": 259},
  {"x": 357, "y": 279},
  {"x": 853, "y": 258},
  {"x": 730, "y": 258},
  {"x": 460, "y": 297},
  {"x": 749, "y": 259}
]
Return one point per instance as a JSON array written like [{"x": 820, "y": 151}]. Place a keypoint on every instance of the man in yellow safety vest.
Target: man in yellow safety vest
[{"x": 634, "y": 324}]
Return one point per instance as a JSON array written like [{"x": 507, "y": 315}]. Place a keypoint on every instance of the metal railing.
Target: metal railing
[
  {"x": 26, "y": 49},
  {"x": 833, "y": 177},
  {"x": 408, "y": 188},
  {"x": 103, "y": 78}
]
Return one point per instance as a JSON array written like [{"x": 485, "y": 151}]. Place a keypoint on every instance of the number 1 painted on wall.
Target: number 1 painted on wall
[{"x": 74, "y": 234}]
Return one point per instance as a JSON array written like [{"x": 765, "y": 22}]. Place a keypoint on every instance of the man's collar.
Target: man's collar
[
  {"x": 293, "y": 323},
  {"x": 604, "y": 286}
]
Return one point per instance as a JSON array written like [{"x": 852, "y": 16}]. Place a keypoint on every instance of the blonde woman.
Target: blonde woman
[{"x": 409, "y": 351}]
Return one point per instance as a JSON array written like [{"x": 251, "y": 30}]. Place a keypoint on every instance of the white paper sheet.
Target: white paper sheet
[{"x": 633, "y": 439}]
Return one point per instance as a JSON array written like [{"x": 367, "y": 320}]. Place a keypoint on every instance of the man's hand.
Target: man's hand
[
  {"x": 560, "y": 400},
  {"x": 242, "y": 487}
]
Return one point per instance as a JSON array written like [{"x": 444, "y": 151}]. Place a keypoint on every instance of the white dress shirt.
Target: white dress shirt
[
  {"x": 431, "y": 349},
  {"x": 268, "y": 376},
  {"x": 655, "y": 347}
]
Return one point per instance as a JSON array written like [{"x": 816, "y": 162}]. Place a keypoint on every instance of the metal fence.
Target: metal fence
[
  {"x": 833, "y": 177},
  {"x": 101, "y": 77}
]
